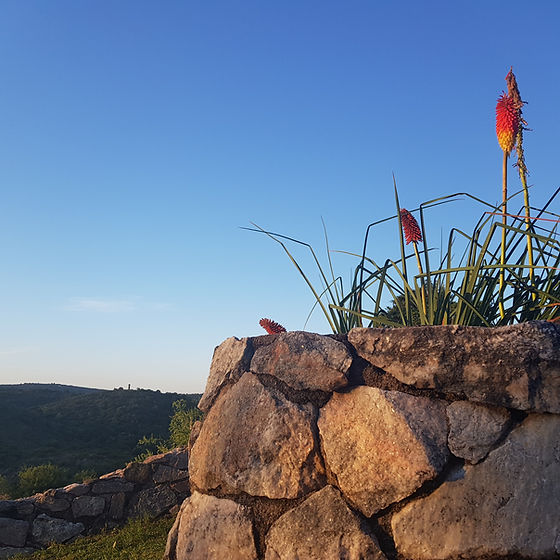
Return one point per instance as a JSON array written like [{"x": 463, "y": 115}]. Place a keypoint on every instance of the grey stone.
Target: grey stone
[
  {"x": 515, "y": 366},
  {"x": 382, "y": 445},
  {"x": 304, "y": 360},
  {"x": 116, "y": 507},
  {"x": 112, "y": 486},
  {"x": 8, "y": 552},
  {"x": 321, "y": 528},
  {"x": 208, "y": 527},
  {"x": 47, "y": 530},
  {"x": 88, "y": 506},
  {"x": 507, "y": 505},
  {"x": 177, "y": 458},
  {"x": 256, "y": 441},
  {"x": 231, "y": 359},
  {"x": 152, "y": 502},
  {"x": 17, "y": 508},
  {"x": 77, "y": 489},
  {"x": 138, "y": 472},
  {"x": 474, "y": 429},
  {"x": 52, "y": 501},
  {"x": 13, "y": 532},
  {"x": 163, "y": 473}
]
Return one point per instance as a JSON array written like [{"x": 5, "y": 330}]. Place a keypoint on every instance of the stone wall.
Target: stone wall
[
  {"x": 152, "y": 488},
  {"x": 421, "y": 443}
]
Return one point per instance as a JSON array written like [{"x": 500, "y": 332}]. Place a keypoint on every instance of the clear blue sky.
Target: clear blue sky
[{"x": 136, "y": 137}]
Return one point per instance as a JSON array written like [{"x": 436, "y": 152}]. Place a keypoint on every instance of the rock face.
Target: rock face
[
  {"x": 256, "y": 441},
  {"x": 152, "y": 488},
  {"x": 509, "y": 504},
  {"x": 322, "y": 528},
  {"x": 432, "y": 443},
  {"x": 382, "y": 445},
  {"x": 304, "y": 361},
  {"x": 515, "y": 366},
  {"x": 209, "y": 527},
  {"x": 474, "y": 429}
]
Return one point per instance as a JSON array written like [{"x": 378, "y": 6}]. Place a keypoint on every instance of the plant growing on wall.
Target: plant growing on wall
[{"x": 506, "y": 271}]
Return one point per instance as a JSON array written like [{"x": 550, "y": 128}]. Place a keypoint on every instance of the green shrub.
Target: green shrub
[{"x": 40, "y": 478}]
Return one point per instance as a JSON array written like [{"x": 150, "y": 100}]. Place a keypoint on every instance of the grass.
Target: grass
[{"x": 141, "y": 539}]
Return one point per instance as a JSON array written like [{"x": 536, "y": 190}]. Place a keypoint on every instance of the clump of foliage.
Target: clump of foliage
[
  {"x": 180, "y": 426},
  {"x": 505, "y": 271},
  {"x": 40, "y": 478},
  {"x": 140, "y": 539}
]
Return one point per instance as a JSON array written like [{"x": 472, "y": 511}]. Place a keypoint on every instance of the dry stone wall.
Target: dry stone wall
[
  {"x": 420, "y": 443},
  {"x": 152, "y": 488}
]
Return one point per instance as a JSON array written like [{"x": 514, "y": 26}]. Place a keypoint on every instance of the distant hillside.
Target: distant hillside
[{"x": 79, "y": 428}]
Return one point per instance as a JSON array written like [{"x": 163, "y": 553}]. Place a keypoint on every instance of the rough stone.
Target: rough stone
[
  {"x": 321, "y": 528},
  {"x": 516, "y": 366},
  {"x": 209, "y": 527},
  {"x": 474, "y": 429},
  {"x": 52, "y": 502},
  {"x": 230, "y": 360},
  {"x": 17, "y": 508},
  {"x": 112, "y": 486},
  {"x": 13, "y": 532},
  {"x": 256, "y": 441},
  {"x": 88, "y": 506},
  {"x": 163, "y": 473},
  {"x": 138, "y": 472},
  {"x": 116, "y": 507},
  {"x": 152, "y": 502},
  {"x": 119, "y": 473},
  {"x": 77, "y": 489},
  {"x": 304, "y": 360},
  {"x": 47, "y": 530},
  {"x": 8, "y": 552},
  {"x": 177, "y": 458},
  {"x": 507, "y": 505},
  {"x": 382, "y": 445}
]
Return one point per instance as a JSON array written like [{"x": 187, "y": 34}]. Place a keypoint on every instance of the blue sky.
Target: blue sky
[{"x": 137, "y": 137}]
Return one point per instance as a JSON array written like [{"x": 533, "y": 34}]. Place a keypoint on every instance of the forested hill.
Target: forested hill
[{"x": 79, "y": 428}]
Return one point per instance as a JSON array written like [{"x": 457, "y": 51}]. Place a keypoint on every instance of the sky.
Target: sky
[{"x": 138, "y": 138}]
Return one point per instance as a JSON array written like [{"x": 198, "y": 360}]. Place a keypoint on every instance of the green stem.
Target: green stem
[{"x": 503, "y": 247}]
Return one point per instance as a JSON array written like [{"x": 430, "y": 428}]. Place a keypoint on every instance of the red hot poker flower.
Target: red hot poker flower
[
  {"x": 271, "y": 327},
  {"x": 410, "y": 226},
  {"x": 507, "y": 122}
]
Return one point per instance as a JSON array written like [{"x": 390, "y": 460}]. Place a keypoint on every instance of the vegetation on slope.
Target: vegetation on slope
[
  {"x": 138, "y": 540},
  {"x": 77, "y": 430}
]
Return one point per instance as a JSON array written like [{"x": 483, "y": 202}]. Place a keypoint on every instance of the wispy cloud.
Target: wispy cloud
[
  {"x": 101, "y": 305},
  {"x": 16, "y": 350}
]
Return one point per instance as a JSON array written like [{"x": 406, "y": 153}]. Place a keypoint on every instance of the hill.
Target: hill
[{"x": 79, "y": 428}]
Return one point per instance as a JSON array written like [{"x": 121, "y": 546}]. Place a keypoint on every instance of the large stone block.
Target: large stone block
[
  {"x": 321, "y": 528},
  {"x": 208, "y": 527},
  {"x": 256, "y": 441},
  {"x": 47, "y": 530},
  {"x": 475, "y": 428},
  {"x": 13, "y": 532},
  {"x": 507, "y": 505},
  {"x": 230, "y": 360},
  {"x": 382, "y": 445},
  {"x": 516, "y": 366},
  {"x": 88, "y": 506},
  {"x": 304, "y": 360}
]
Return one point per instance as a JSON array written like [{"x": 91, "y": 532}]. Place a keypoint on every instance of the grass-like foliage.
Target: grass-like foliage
[
  {"x": 141, "y": 539},
  {"x": 502, "y": 272}
]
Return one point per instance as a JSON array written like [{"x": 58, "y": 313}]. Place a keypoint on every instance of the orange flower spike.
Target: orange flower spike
[
  {"x": 410, "y": 226},
  {"x": 271, "y": 327},
  {"x": 507, "y": 122}
]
